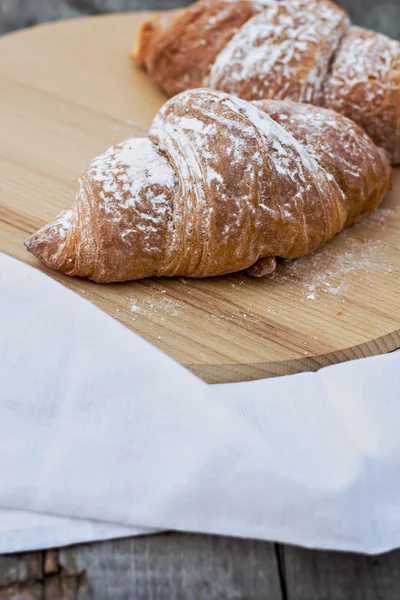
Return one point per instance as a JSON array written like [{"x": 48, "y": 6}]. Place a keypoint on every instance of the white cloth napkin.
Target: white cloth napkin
[{"x": 102, "y": 435}]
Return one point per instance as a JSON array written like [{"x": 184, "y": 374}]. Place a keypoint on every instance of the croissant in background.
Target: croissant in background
[
  {"x": 220, "y": 185},
  {"x": 302, "y": 50}
]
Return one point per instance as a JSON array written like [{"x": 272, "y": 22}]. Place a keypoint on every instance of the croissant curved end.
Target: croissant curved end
[
  {"x": 136, "y": 52},
  {"x": 49, "y": 244},
  {"x": 150, "y": 32}
]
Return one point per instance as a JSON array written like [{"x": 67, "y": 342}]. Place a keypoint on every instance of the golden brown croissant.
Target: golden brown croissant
[
  {"x": 220, "y": 185},
  {"x": 302, "y": 50}
]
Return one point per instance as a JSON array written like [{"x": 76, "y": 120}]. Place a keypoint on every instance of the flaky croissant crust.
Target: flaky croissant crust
[
  {"x": 303, "y": 50},
  {"x": 220, "y": 185}
]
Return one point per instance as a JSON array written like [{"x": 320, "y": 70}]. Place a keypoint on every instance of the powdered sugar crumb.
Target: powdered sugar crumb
[
  {"x": 380, "y": 217},
  {"x": 158, "y": 307},
  {"x": 327, "y": 271}
]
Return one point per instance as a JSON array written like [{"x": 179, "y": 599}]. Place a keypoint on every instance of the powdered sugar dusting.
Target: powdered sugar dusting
[
  {"x": 134, "y": 184},
  {"x": 254, "y": 175},
  {"x": 380, "y": 218},
  {"x": 157, "y": 307},
  {"x": 126, "y": 169},
  {"x": 329, "y": 273},
  {"x": 360, "y": 61},
  {"x": 62, "y": 223},
  {"x": 322, "y": 132},
  {"x": 332, "y": 270},
  {"x": 216, "y": 21},
  {"x": 266, "y": 57},
  {"x": 292, "y": 159},
  {"x": 364, "y": 85}
]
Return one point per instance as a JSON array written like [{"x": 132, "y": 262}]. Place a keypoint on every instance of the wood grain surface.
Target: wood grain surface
[
  {"x": 197, "y": 567},
  {"x": 54, "y": 115},
  {"x": 67, "y": 92}
]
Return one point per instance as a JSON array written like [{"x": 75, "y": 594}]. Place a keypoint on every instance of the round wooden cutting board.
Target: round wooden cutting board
[{"x": 67, "y": 92}]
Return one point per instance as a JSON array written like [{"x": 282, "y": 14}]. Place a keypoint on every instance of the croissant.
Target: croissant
[
  {"x": 302, "y": 50},
  {"x": 220, "y": 185}
]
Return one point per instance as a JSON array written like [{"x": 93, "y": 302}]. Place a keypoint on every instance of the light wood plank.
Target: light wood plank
[{"x": 59, "y": 108}]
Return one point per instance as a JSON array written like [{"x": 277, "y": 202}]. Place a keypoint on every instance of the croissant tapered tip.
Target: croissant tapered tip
[
  {"x": 31, "y": 245},
  {"x": 48, "y": 244},
  {"x": 143, "y": 41},
  {"x": 134, "y": 53},
  {"x": 28, "y": 243}
]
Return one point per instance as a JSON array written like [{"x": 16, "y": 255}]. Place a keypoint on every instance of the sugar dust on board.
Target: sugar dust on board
[{"x": 329, "y": 272}]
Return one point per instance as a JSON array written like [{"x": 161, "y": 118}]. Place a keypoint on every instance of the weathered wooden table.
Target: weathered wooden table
[
  {"x": 181, "y": 566},
  {"x": 197, "y": 567}
]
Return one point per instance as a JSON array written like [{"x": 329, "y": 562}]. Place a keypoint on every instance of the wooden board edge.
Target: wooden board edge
[{"x": 236, "y": 373}]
